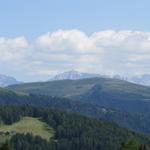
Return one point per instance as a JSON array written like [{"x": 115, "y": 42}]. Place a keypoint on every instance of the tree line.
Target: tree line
[{"x": 72, "y": 131}]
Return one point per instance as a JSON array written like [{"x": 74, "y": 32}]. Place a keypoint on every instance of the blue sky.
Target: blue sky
[
  {"x": 31, "y": 18},
  {"x": 31, "y": 40}
]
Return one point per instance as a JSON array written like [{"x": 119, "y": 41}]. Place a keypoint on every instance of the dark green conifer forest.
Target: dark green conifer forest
[{"x": 72, "y": 131}]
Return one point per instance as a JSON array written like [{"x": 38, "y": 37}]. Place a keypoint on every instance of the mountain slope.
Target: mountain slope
[
  {"x": 136, "y": 122},
  {"x": 7, "y": 80},
  {"x": 72, "y": 131},
  {"x": 102, "y": 91}
]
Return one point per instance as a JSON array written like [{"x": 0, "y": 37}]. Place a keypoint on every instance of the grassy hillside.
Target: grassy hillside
[
  {"x": 102, "y": 91},
  {"x": 69, "y": 88},
  {"x": 28, "y": 125}
]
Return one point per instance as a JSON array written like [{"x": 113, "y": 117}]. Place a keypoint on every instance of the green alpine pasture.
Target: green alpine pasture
[{"x": 28, "y": 125}]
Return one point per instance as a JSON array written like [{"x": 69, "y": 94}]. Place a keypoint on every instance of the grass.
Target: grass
[
  {"x": 4, "y": 138},
  {"x": 29, "y": 125},
  {"x": 73, "y": 88}
]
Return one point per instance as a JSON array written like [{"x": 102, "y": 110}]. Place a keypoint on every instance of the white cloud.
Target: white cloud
[
  {"x": 105, "y": 52},
  {"x": 11, "y": 49},
  {"x": 65, "y": 41}
]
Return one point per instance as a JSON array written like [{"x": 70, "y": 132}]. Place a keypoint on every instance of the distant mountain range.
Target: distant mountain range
[
  {"x": 7, "y": 80},
  {"x": 141, "y": 79},
  {"x": 74, "y": 75}
]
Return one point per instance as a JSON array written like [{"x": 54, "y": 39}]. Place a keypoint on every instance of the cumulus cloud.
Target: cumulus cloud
[
  {"x": 11, "y": 49},
  {"x": 65, "y": 41},
  {"x": 105, "y": 52}
]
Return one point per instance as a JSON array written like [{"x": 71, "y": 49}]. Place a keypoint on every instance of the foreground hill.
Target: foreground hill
[
  {"x": 72, "y": 131},
  {"x": 137, "y": 122},
  {"x": 102, "y": 91}
]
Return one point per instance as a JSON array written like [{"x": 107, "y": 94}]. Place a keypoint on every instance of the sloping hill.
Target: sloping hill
[
  {"x": 72, "y": 131},
  {"x": 102, "y": 91},
  {"x": 137, "y": 122},
  {"x": 77, "y": 87}
]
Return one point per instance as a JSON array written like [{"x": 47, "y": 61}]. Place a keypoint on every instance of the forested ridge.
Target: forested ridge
[
  {"x": 102, "y": 100},
  {"x": 72, "y": 131},
  {"x": 135, "y": 121}
]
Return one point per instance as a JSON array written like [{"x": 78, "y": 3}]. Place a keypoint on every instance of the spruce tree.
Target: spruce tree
[{"x": 5, "y": 146}]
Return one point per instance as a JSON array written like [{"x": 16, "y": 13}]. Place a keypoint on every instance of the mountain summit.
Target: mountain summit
[
  {"x": 7, "y": 80},
  {"x": 74, "y": 75}
]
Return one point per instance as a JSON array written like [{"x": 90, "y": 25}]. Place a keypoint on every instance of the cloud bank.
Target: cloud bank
[{"x": 105, "y": 52}]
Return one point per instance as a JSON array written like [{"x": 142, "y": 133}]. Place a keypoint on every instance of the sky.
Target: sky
[{"x": 39, "y": 38}]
